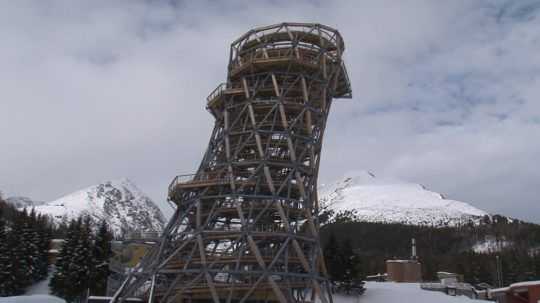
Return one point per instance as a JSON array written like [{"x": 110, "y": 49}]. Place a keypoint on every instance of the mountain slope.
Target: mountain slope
[
  {"x": 22, "y": 202},
  {"x": 120, "y": 203},
  {"x": 372, "y": 199}
]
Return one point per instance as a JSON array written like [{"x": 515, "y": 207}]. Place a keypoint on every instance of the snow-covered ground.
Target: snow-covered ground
[
  {"x": 32, "y": 299},
  {"x": 42, "y": 287},
  {"x": 389, "y": 292},
  {"x": 377, "y": 292},
  {"x": 375, "y": 199},
  {"x": 37, "y": 293}
]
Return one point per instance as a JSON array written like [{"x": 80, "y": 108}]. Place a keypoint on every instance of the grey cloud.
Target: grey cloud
[{"x": 445, "y": 92}]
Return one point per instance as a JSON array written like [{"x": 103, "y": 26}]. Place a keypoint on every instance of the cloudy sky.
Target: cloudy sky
[{"x": 445, "y": 93}]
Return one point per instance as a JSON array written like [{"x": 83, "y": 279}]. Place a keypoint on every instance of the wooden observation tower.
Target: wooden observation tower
[{"x": 245, "y": 228}]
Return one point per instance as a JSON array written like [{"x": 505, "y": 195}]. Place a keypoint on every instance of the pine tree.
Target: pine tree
[
  {"x": 349, "y": 262},
  {"x": 2, "y": 225},
  {"x": 30, "y": 246},
  {"x": 5, "y": 272},
  {"x": 8, "y": 262},
  {"x": 80, "y": 267},
  {"x": 74, "y": 267},
  {"x": 8, "y": 282},
  {"x": 44, "y": 241},
  {"x": 60, "y": 283},
  {"x": 20, "y": 260},
  {"x": 332, "y": 258},
  {"x": 102, "y": 254}
]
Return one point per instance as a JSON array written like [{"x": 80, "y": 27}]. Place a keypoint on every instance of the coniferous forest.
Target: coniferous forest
[
  {"x": 80, "y": 268},
  {"x": 82, "y": 265},
  {"x": 439, "y": 249},
  {"x": 24, "y": 245}
]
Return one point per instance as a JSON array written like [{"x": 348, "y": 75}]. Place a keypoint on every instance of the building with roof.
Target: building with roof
[
  {"x": 522, "y": 292},
  {"x": 404, "y": 271}
]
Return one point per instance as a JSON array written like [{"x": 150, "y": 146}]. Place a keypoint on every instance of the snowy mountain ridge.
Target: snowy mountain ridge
[
  {"x": 22, "y": 202},
  {"x": 120, "y": 203},
  {"x": 374, "y": 199}
]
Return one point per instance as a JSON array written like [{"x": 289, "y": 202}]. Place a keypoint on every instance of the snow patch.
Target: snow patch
[
  {"x": 390, "y": 292},
  {"x": 490, "y": 245}
]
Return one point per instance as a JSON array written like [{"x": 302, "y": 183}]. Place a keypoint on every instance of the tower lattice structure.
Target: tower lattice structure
[{"x": 246, "y": 228}]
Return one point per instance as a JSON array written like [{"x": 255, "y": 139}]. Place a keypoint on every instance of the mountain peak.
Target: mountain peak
[
  {"x": 389, "y": 200},
  {"x": 359, "y": 176},
  {"x": 355, "y": 174},
  {"x": 120, "y": 181},
  {"x": 119, "y": 202}
]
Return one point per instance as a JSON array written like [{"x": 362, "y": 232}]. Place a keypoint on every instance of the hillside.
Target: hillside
[
  {"x": 120, "y": 203},
  {"x": 372, "y": 199},
  {"x": 470, "y": 249},
  {"x": 22, "y": 202}
]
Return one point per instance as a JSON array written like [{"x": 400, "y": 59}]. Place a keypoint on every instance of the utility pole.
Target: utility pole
[
  {"x": 499, "y": 272},
  {"x": 413, "y": 249}
]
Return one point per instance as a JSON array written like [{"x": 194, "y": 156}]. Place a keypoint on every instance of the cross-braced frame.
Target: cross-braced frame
[{"x": 246, "y": 228}]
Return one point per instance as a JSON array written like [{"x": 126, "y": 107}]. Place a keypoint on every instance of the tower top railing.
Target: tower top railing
[{"x": 314, "y": 34}]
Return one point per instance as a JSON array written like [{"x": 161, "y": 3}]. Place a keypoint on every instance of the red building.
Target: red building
[
  {"x": 523, "y": 292},
  {"x": 409, "y": 271}
]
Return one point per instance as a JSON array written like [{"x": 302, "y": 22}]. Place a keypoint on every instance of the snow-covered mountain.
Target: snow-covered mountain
[
  {"x": 374, "y": 199},
  {"x": 120, "y": 203}
]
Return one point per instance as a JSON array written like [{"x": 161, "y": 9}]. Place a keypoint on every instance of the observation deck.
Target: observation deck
[
  {"x": 193, "y": 181},
  {"x": 290, "y": 47}
]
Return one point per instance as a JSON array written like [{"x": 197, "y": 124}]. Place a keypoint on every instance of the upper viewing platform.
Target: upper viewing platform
[
  {"x": 290, "y": 47},
  {"x": 310, "y": 34}
]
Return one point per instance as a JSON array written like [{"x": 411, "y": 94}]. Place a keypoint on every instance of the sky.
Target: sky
[{"x": 445, "y": 93}]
